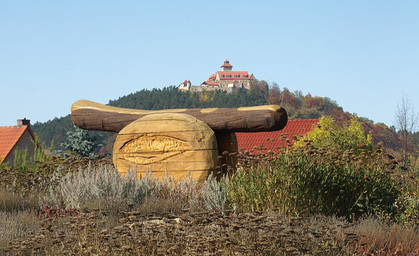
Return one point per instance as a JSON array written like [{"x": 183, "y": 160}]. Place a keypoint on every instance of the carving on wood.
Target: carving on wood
[
  {"x": 149, "y": 149},
  {"x": 172, "y": 142}
]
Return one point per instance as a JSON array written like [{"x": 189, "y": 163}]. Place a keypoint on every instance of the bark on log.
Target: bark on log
[
  {"x": 172, "y": 142},
  {"x": 94, "y": 116}
]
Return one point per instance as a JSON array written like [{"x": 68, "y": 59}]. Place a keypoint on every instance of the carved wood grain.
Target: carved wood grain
[{"x": 178, "y": 143}]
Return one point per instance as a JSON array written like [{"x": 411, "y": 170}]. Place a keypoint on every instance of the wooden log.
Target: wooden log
[
  {"x": 227, "y": 147},
  {"x": 178, "y": 143},
  {"x": 94, "y": 116}
]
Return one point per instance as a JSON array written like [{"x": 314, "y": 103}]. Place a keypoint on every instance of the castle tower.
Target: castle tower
[{"x": 226, "y": 66}]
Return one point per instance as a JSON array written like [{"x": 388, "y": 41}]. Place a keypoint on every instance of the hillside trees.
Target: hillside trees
[
  {"x": 274, "y": 94},
  {"x": 53, "y": 131},
  {"x": 296, "y": 104},
  {"x": 406, "y": 121}
]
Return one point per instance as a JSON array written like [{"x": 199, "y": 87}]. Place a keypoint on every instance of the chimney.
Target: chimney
[{"x": 23, "y": 121}]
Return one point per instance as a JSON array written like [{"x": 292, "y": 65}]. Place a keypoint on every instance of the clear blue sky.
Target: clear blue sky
[{"x": 362, "y": 54}]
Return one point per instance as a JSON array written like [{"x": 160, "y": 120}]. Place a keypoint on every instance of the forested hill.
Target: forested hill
[{"x": 298, "y": 106}]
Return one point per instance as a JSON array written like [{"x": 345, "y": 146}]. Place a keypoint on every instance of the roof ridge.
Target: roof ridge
[{"x": 13, "y": 126}]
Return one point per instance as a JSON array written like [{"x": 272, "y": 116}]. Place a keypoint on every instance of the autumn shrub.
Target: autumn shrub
[
  {"x": 308, "y": 180},
  {"x": 408, "y": 201},
  {"x": 328, "y": 134}
]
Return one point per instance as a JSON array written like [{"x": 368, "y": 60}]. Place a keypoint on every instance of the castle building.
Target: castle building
[{"x": 226, "y": 79}]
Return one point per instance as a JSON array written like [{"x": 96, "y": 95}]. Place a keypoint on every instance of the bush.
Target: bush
[
  {"x": 102, "y": 183},
  {"x": 328, "y": 134},
  {"x": 316, "y": 181},
  {"x": 102, "y": 187}
]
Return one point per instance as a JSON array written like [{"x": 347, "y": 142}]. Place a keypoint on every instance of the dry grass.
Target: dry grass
[
  {"x": 380, "y": 237},
  {"x": 189, "y": 234},
  {"x": 15, "y": 225},
  {"x": 11, "y": 201}
]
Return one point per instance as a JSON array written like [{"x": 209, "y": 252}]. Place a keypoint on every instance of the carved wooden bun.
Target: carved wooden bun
[{"x": 174, "y": 142}]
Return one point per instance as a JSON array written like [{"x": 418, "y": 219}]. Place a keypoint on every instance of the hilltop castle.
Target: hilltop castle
[{"x": 226, "y": 80}]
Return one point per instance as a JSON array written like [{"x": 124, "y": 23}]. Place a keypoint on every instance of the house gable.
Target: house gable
[{"x": 12, "y": 138}]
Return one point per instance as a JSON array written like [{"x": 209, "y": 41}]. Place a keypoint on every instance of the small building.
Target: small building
[
  {"x": 262, "y": 142},
  {"x": 16, "y": 137},
  {"x": 226, "y": 79},
  {"x": 185, "y": 86}
]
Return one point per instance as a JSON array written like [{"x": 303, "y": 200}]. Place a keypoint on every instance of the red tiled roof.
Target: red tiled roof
[
  {"x": 9, "y": 136},
  {"x": 226, "y": 64},
  {"x": 265, "y": 141},
  {"x": 210, "y": 82},
  {"x": 233, "y": 75}
]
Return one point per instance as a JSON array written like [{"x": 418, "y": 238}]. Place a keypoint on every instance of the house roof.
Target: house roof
[
  {"x": 9, "y": 136},
  {"x": 255, "y": 142}
]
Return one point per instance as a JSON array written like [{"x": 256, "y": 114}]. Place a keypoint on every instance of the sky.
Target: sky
[{"x": 362, "y": 54}]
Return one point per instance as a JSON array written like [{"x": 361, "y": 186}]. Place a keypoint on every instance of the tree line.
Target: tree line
[{"x": 297, "y": 105}]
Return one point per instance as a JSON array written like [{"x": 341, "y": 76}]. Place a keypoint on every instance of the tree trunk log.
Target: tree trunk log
[{"x": 94, "y": 116}]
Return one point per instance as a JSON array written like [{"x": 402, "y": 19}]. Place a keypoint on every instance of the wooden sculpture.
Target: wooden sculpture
[
  {"x": 171, "y": 141},
  {"x": 174, "y": 140}
]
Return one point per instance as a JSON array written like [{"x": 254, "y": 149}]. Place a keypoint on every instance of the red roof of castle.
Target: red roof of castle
[
  {"x": 211, "y": 82},
  {"x": 9, "y": 136},
  {"x": 264, "y": 141},
  {"x": 226, "y": 64}
]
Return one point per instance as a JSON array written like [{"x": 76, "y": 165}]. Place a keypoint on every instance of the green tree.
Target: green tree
[{"x": 81, "y": 142}]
